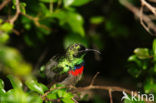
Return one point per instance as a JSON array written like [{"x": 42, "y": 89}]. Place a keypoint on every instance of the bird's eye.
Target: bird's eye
[{"x": 76, "y": 45}]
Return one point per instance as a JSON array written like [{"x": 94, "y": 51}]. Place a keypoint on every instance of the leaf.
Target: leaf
[
  {"x": 22, "y": 7},
  {"x": 34, "y": 98},
  {"x": 67, "y": 100},
  {"x": 1, "y": 83},
  {"x": 6, "y": 27},
  {"x": 4, "y": 37},
  {"x": 52, "y": 95},
  {"x": 80, "y": 2},
  {"x": 67, "y": 2},
  {"x": 72, "y": 20},
  {"x": 48, "y": 1},
  {"x": 142, "y": 53},
  {"x": 154, "y": 49},
  {"x": 35, "y": 86},
  {"x": 97, "y": 20},
  {"x": 16, "y": 83},
  {"x": 14, "y": 96},
  {"x": 2, "y": 91}
]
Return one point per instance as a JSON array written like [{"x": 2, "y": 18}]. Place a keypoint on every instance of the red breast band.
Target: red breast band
[{"x": 77, "y": 71}]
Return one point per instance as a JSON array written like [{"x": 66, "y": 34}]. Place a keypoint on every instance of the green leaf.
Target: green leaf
[
  {"x": 48, "y": 1},
  {"x": 4, "y": 37},
  {"x": 6, "y": 27},
  {"x": 1, "y": 83},
  {"x": 52, "y": 95},
  {"x": 35, "y": 86},
  {"x": 67, "y": 100},
  {"x": 80, "y": 2},
  {"x": 72, "y": 20},
  {"x": 14, "y": 96},
  {"x": 97, "y": 20},
  {"x": 150, "y": 85},
  {"x": 22, "y": 7},
  {"x": 2, "y": 91},
  {"x": 34, "y": 98},
  {"x": 154, "y": 49},
  {"x": 67, "y": 2},
  {"x": 134, "y": 71},
  {"x": 16, "y": 83},
  {"x": 142, "y": 53}
]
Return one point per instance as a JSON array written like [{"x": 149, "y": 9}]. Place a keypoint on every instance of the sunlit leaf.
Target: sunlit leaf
[
  {"x": 1, "y": 83},
  {"x": 48, "y": 1},
  {"x": 16, "y": 83},
  {"x": 154, "y": 49},
  {"x": 68, "y": 2},
  {"x": 67, "y": 100},
  {"x": 22, "y": 7},
  {"x": 72, "y": 20},
  {"x": 6, "y": 27},
  {"x": 142, "y": 53},
  {"x": 4, "y": 37},
  {"x": 14, "y": 96},
  {"x": 35, "y": 86},
  {"x": 97, "y": 20},
  {"x": 80, "y": 2}
]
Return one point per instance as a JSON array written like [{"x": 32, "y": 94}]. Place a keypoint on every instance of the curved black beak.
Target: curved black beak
[{"x": 89, "y": 50}]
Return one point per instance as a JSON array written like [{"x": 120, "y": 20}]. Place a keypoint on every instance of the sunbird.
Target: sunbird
[{"x": 68, "y": 67}]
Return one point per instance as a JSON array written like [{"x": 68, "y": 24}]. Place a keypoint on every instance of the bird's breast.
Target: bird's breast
[{"x": 78, "y": 70}]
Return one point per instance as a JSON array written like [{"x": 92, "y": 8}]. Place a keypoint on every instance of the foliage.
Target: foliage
[
  {"x": 38, "y": 18},
  {"x": 30, "y": 26},
  {"x": 142, "y": 65},
  {"x": 35, "y": 94}
]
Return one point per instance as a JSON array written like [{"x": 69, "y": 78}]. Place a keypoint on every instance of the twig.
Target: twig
[
  {"x": 154, "y": 1},
  {"x": 75, "y": 100},
  {"x": 151, "y": 8},
  {"x": 18, "y": 12},
  {"x": 4, "y": 3},
  {"x": 51, "y": 6},
  {"x": 143, "y": 17},
  {"x": 14, "y": 18},
  {"x": 36, "y": 21},
  {"x": 46, "y": 93},
  {"x": 110, "y": 96},
  {"x": 93, "y": 79},
  {"x": 16, "y": 32},
  {"x": 110, "y": 89}
]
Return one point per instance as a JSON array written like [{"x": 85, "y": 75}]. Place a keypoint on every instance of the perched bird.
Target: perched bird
[{"x": 68, "y": 69}]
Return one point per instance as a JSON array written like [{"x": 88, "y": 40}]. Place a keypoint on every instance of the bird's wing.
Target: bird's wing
[
  {"x": 53, "y": 72},
  {"x": 50, "y": 66}
]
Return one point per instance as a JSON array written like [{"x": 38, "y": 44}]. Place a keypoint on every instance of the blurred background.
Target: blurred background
[{"x": 44, "y": 28}]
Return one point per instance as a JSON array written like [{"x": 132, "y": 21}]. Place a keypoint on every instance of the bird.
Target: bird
[{"x": 68, "y": 69}]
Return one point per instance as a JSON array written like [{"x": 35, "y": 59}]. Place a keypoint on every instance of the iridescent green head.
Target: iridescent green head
[
  {"x": 75, "y": 51},
  {"x": 74, "y": 56}
]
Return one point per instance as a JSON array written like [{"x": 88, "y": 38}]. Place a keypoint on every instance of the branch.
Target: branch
[
  {"x": 110, "y": 89},
  {"x": 145, "y": 20},
  {"x": 92, "y": 81},
  {"x": 14, "y": 18},
  {"x": 36, "y": 21},
  {"x": 151, "y": 8},
  {"x": 110, "y": 95},
  {"x": 4, "y": 3}
]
